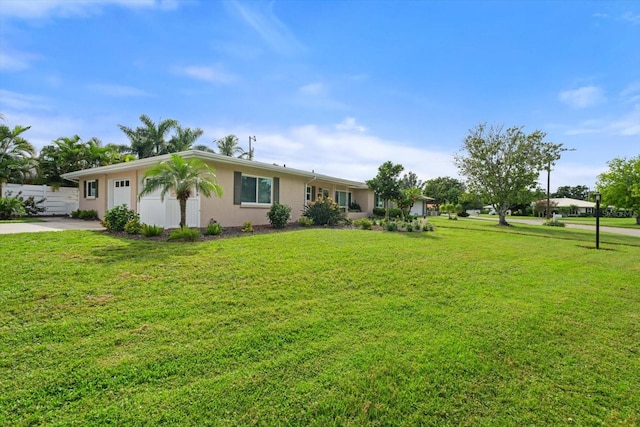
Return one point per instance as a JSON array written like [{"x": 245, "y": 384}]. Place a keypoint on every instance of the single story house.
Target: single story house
[
  {"x": 577, "y": 207},
  {"x": 250, "y": 188}
]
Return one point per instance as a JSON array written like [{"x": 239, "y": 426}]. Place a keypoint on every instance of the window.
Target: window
[
  {"x": 343, "y": 199},
  {"x": 256, "y": 190},
  {"x": 123, "y": 183},
  {"x": 91, "y": 189},
  {"x": 308, "y": 193},
  {"x": 378, "y": 202}
]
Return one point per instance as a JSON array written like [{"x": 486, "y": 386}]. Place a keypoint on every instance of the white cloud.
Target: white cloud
[
  {"x": 211, "y": 74},
  {"x": 631, "y": 17},
  {"x": 313, "y": 89},
  {"x": 30, "y": 9},
  {"x": 625, "y": 125},
  {"x": 22, "y": 101},
  {"x": 348, "y": 154},
  {"x": 260, "y": 17},
  {"x": 600, "y": 15},
  {"x": 349, "y": 125},
  {"x": 582, "y": 97},
  {"x": 631, "y": 93},
  {"x": 118, "y": 91},
  {"x": 13, "y": 61}
]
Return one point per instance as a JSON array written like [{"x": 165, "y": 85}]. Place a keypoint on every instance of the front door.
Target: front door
[{"x": 121, "y": 193}]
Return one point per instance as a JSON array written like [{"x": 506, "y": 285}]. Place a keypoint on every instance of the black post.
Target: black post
[{"x": 598, "y": 196}]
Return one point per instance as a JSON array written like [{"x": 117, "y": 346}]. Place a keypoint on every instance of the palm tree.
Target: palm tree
[
  {"x": 149, "y": 141},
  {"x": 182, "y": 177},
  {"x": 228, "y": 146},
  {"x": 184, "y": 139},
  {"x": 16, "y": 154},
  {"x": 202, "y": 147}
]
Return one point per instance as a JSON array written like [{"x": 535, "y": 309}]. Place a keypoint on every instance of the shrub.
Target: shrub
[
  {"x": 305, "y": 221},
  {"x": 427, "y": 226},
  {"x": 133, "y": 226},
  {"x": 31, "y": 207},
  {"x": 395, "y": 213},
  {"x": 363, "y": 223},
  {"x": 392, "y": 226},
  {"x": 409, "y": 227},
  {"x": 90, "y": 214},
  {"x": 213, "y": 229},
  {"x": 463, "y": 214},
  {"x": 553, "y": 223},
  {"x": 279, "y": 215},
  {"x": 150, "y": 230},
  {"x": 184, "y": 233},
  {"x": 11, "y": 207},
  {"x": 354, "y": 207},
  {"x": 75, "y": 214},
  {"x": 379, "y": 212},
  {"x": 247, "y": 227},
  {"x": 115, "y": 219},
  {"x": 324, "y": 211}
]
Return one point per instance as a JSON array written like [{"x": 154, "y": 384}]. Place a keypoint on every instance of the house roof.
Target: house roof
[
  {"x": 217, "y": 158},
  {"x": 565, "y": 202}
]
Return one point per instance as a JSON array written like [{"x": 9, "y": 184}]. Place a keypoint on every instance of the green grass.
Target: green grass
[
  {"x": 605, "y": 222},
  {"x": 20, "y": 220},
  {"x": 471, "y": 325}
]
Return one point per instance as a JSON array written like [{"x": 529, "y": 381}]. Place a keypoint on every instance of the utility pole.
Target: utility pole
[{"x": 251, "y": 138}]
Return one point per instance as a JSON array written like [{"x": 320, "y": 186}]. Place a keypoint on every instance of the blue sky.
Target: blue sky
[{"x": 334, "y": 86}]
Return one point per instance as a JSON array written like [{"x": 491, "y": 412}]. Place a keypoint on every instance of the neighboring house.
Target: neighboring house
[
  {"x": 250, "y": 188},
  {"x": 577, "y": 207},
  {"x": 421, "y": 206}
]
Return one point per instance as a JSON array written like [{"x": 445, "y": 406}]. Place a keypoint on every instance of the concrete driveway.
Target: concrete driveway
[{"x": 49, "y": 224}]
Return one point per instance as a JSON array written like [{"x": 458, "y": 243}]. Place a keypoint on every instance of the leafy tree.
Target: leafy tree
[
  {"x": 444, "y": 188},
  {"x": 407, "y": 199},
  {"x": 183, "y": 139},
  {"x": 202, "y": 147},
  {"x": 500, "y": 164},
  {"x": 16, "y": 154},
  {"x": 69, "y": 154},
  {"x": 410, "y": 180},
  {"x": 387, "y": 183},
  {"x": 151, "y": 139},
  {"x": 620, "y": 185},
  {"x": 181, "y": 177},
  {"x": 470, "y": 200},
  {"x": 228, "y": 146},
  {"x": 579, "y": 192}
]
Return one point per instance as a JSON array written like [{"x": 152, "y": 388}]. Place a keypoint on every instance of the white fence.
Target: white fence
[{"x": 62, "y": 201}]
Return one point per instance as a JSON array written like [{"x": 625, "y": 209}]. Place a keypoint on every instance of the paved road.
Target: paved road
[
  {"x": 615, "y": 230},
  {"x": 49, "y": 224}
]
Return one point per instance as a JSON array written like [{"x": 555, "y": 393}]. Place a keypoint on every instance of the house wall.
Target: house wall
[
  {"x": 292, "y": 192},
  {"x": 222, "y": 209}
]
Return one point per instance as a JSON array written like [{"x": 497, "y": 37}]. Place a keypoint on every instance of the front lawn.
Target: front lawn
[{"x": 471, "y": 325}]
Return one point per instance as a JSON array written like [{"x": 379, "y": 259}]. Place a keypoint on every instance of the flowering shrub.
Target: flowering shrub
[
  {"x": 324, "y": 211},
  {"x": 115, "y": 219}
]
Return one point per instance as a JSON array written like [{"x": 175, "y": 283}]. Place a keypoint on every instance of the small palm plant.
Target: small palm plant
[{"x": 182, "y": 177}]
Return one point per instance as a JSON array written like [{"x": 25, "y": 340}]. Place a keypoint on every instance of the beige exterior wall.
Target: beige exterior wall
[
  {"x": 292, "y": 192},
  {"x": 222, "y": 209}
]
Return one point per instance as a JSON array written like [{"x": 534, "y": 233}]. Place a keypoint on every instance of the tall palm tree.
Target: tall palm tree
[
  {"x": 184, "y": 139},
  {"x": 16, "y": 154},
  {"x": 182, "y": 177},
  {"x": 228, "y": 146},
  {"x": 149, "y": 141}
]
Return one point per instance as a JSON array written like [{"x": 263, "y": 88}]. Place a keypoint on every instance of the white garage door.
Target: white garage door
[
  {"x": 119, "y": 192},
  {"x": 154, "y": 211}
]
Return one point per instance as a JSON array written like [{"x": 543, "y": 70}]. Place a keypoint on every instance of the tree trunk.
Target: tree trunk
[
  {"x": 502, "y": 220},
  {"x": 183, "y": 212},
  {"x": 638, "y": 220}
]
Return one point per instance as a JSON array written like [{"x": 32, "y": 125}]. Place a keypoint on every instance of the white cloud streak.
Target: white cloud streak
[
  {"x": 260, "y": 17},
  {"x": 117, "y": 91},
  {"x": 583, "y": 97},
  {"x": 211, "y": 74}
]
